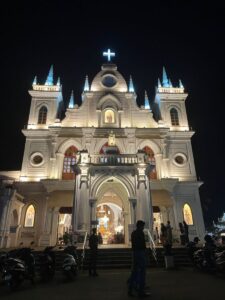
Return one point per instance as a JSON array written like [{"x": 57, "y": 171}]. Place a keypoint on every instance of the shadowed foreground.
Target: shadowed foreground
[{"x": 175, "y": 284}]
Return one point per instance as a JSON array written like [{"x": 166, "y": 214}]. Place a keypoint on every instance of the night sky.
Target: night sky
[{"x": 187, "y": 37}]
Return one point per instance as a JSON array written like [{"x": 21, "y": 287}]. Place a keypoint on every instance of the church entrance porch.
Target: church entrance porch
[
  {"x": 110, "y": 215},
  {"x": 64, "y": 222},
  {"x": 110, "y": 223}
]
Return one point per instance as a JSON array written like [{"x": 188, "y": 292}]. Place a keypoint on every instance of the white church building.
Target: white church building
[{"x": 107, "y": 163}]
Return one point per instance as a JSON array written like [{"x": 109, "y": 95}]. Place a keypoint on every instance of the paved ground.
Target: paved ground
[{"x": 184, "y": 284}]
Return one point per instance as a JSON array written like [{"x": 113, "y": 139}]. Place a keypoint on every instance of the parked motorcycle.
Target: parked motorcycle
[
  {"x": 47, "y": 264},
  {"x": 70, "y": 263},
  {"x": 210, "y": 261},
  {"x": 18, "y": 265}
]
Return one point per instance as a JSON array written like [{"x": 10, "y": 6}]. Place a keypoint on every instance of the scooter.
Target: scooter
[
  {"x": 70, "y": 263},
  {"x": 47, "y": 264},
  {"x": 18, "y": 265}
]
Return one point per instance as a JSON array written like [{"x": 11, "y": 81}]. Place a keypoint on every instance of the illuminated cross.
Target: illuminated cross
[{"x": 109, "y": 54}]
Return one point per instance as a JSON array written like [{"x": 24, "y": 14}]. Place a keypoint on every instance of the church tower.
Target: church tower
[{"x": 44, "y": 110}]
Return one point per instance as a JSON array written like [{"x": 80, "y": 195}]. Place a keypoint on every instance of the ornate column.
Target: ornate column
[
  {"x": 59, "y": 165},
  {"x": 133, "y": 203},
  {"x": 92, "y": 203}
]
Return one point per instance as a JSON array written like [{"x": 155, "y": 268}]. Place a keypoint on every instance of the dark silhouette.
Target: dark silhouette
[
  {"x": 182, "y": 235},
  {"x": 169, "y": 239},
  {"x": 192, "y": 247},
  {"x": 163, "y": 234},
  {"x": 138, "y": 273},
  {"x": 186, "y": 232},
  {"x": 100, "y": 241},
  {"x": 93, "y": 245}
]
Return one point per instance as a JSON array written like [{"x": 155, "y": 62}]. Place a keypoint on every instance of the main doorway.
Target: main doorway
[
  {"x": 64, "y": 222},
  {"x": 110, "y": 216}
]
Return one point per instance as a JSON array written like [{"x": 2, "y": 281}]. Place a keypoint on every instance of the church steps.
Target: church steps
[{"x": 122, "y": 258}]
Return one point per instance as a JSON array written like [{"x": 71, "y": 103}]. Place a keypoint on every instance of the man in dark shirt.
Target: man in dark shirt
[
  {"x": 137, "y": 278},
  {"x": 93, "y": 245}
]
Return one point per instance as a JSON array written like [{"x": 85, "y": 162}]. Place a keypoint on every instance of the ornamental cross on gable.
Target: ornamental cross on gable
[{"x": 109, "y": 54}]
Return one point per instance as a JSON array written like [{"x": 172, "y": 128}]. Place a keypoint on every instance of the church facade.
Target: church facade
[{"x": 106, "y": 164}]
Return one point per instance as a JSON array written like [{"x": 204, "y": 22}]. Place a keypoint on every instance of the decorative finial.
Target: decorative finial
[
  {"x": 109, "y": 54},
  {"x": 58, "y": 82},
  {"x": 35, "y": 80},
  {"x": 131, "y": 86},
  {"x": 49, "y": 80},
  {"x": 86, "y": 84},
  {"x": 170, "y": 84},
  {"x": 159, "y": 83},
  {"x": 165, "y": 81},
  {"x": 71, "y": 103},
  {"x": 147, "y": 104},
  {"x": 180, "y": 84}
]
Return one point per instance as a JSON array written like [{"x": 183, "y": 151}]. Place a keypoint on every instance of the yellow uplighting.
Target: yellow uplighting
[
  {"x": 49, "y": 88},
  {"x": 171, "y": 90}
]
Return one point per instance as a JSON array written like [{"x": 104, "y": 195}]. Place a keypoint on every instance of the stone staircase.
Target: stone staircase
[{"x": 121, "y": 258}]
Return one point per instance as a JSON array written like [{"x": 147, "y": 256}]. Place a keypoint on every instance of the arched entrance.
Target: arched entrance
[
  {"x": 64, "y": 221},
  {"x": 113, "y": 210},
  {"x": 110, "y": 217}
]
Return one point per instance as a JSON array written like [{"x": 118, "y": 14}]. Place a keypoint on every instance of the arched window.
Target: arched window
[
  {"x": 109, "y": 116},
  {"x": 30, "y": 216},
  {"x": 151, "y": 159},
  {"x": 42, "y": 116},
  {"x": 187, "y": 214},
  {"x": 174, "y": 117},
  {"x": 69, "y": 161}
]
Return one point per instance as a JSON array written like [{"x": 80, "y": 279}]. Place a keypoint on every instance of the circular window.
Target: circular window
[
  {"x": 36, "y": 159},
  {"x": 109, "y": 81},
  {"x": 180, "y": 159}
]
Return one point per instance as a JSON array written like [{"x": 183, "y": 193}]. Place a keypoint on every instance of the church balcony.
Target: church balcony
[{"x": 113, "y": 159}]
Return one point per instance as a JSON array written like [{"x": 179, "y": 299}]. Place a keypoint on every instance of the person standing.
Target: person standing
[
  {"x": 93, "y": 245},
  {"x": 186, "y": 232},
  {"x": 163, "y": 234},
  {"x": 138, "y": 273},
  {"x": 182, "y": 234},
  {"x": 169, "y": 239}
]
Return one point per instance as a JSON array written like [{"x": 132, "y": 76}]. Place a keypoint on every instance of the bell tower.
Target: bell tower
[
  {"x": 171, "y": 101},
  {"x": 44, "y": 103}
]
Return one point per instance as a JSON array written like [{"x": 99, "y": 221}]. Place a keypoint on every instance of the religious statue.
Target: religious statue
[{"x": 112, "y": 139}]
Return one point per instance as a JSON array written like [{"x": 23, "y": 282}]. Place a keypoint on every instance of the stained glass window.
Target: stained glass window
[
  {"x": 29, "y": 217},
  {"x": 187, "y": 214},
  {"x": 174, "y": 117},
  {"x": 42, "y": 116},
  {"x": 151, "y": 160},
  {"x": 69, "y": 161}
]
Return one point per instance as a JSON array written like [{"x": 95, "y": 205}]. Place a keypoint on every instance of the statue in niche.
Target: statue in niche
[{"x": 112, "y": 139}]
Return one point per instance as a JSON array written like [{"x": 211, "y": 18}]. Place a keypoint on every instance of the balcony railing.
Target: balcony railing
[{"x": 114, "y": 159}]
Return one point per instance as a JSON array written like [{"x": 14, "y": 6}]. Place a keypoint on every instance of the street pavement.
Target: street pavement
[{"x": 183, "y": 283}]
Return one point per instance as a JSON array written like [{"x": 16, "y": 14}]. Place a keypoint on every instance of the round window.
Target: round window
[
  {"x": 36, "y": 159},
  {"x": 180, "y": 159},
  {"x": 109, "y": 81}
]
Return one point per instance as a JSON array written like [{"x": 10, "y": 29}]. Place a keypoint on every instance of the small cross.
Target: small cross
[{"x": 109, "y": 54}]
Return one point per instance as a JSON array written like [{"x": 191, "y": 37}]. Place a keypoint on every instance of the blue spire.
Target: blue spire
[
  {"x": 159, "y": 83},
  {"x": 170, "y": 83},
  {"x": 86, "y": 84},
  {"x": 147, "y": 105},
  {"x": 58, "y": 82},
  {"x": 49, "y": 80},
  {"x": 165, "y": 81},
  {"x": 131, "y": 86},
  {"x": 35, "y": 80},
  {"x": 71, "y": 103},
  {"x": 180, "y": 84}
]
